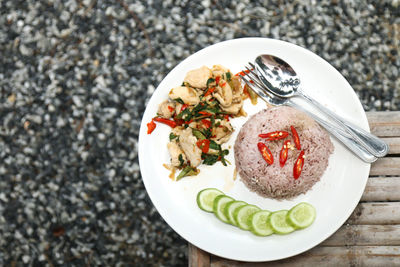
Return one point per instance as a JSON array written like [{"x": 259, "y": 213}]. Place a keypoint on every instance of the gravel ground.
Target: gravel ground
[{"x": 74, "y": 79}]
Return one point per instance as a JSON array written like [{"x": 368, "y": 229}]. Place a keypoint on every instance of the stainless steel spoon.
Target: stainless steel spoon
[
  {"x": 281, "y": 79},
  {"x": 256, "y": 85}
]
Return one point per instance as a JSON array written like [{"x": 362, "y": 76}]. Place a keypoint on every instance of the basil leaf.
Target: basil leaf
[
  {"x": 198, "y": 134},
  {"x": 172, "y": 136},
  {"x": 209, "y": 159},
  {"x": 210, "y": 80},
  {"x": 214, "y": 145},
  {"x": 179, "y": 100},
  {"x": 228, "y": 76},
  {"x": 181, "y": 161}
]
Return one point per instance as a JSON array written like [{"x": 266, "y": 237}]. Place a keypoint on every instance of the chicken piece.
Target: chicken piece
[
  {"x": 223, "y": 94},
  {"x": 219, "y": 70},
  {"x": 237, "y": 89},
  {"x": 198, "y": 77},
  {"x": 222, "y": 132},
  {"x": 177, "y": 130},
  {"x": 174, "y": 151},
  {"x": 188, "y": 142},
  {"x": 234, "y": 108},
  {"x": 186, "y": 94},
  {"x": 166, "y": 109}
]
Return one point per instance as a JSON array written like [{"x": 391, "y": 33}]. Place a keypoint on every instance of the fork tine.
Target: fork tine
[{"x": 253, "y": 76}]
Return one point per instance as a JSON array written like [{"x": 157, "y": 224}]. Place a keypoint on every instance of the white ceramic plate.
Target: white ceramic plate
[{"x": 334, "y": 197}]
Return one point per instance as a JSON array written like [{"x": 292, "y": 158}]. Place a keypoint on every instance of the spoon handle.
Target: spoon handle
[
  {"x": 370, "y": 142},
  {"x": 355, "y": 147}
]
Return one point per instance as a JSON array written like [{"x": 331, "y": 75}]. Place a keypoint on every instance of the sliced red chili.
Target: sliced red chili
[
  {"x": 170, "y": 123},
  {"x": 171, "y": 109},
  {"x": 284, "y": 153},
  {"x": 223, "y": 84},
  {"x": 184, "y": 106},
  {"x": 205, "y": 113},
  {"x": 150, "y": 127},
  {"x": 178, "y": 122},
  {"x": 274, "y": 135},
  {"x": 217, "y": 79},
  {"x": 298, "y": 165},
  {"x": 265, "y": 152},
  {"x": 295, "y": 138},
  {"x": 209, "y": 91},
  {"x": 204, "y": 145},
  {"x": 226, "y": 117},
  {"x": 206, "y": 123}
]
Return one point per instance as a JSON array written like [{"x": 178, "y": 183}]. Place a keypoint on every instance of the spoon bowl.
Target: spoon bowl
[{"x": 277, "y": 75}]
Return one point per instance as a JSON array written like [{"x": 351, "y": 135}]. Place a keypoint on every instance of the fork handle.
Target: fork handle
[
  {"x": 355, "y": 147},
  {"x": 370, "y": 142}
]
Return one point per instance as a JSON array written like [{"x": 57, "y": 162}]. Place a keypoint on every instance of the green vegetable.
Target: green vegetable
[
  {"x": 187, "y": 171},
  {"x": 179, "y": 100},
  {"x": 209, "y": 159},
  {"x": 210, "y": 80},
  {"x": 228, "y": 76},
  {"x": 277, "y": 221},
  {"x": 301, "y": 216},
  {"x": 242, "y": 214},
  {"x": 205, "y": 198},
  {"x": 172, "y": 136},
  {"x": 259, "y": 223},
  {"x": 181, "y": 161},
  {"x": 230, "y": 208},
  {"x": 198, "y": 134},
  {"x": 219, "y": 205}
]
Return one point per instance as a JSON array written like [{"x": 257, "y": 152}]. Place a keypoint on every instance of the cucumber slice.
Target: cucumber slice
[
  {"x": 302, "y": 215},
  {"x": 230, "y": 208},
  {"x": 219, "y": 206},
  {"x": 205, "y": 198},
  {"x": 259, "y": 223},
  {"x": 278, "y": 223},
  {"x": 242, "y": 215}
]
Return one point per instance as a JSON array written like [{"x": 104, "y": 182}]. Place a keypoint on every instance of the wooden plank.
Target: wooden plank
[
  {"x": 376, "y": 213},
  {"x": 394, "y": 144},
  {"x": 386, "y": 166},
  {"x": 382, "y": 189},
  {"x": 198, "y": 257},
  {"x": 384, "y": 123},
  {"x": 329, "y": 256},
  {"x": 365, "y": 235}
]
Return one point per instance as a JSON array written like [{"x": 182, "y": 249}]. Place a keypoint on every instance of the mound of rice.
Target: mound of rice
[{"x": 271, "y": 180}]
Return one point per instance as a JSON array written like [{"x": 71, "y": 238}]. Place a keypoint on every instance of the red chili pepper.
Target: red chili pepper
[
  {"x": 150, "y": 127},
  {"x": 179, "y": 122},
  {"x": 205, "y": 113},
  {"x": 295, "y": 138},
  {"x": 170, "y": 123},
  {"x": 184, "y": 106},
  {"x": 266, "y": 153},
  {"x": 209, "y": 91},
  {"x": 298, "y": 165},
  {"x": 206, "y": 123},
  {"x": 217, "y": 79},
  {"x": 204, "y": 145},
  {"x": 223, "y": 84},
  {"x": 171, "y": 109},
  {"x": 274, "y": 135},
  {"x": 226, "y": 117},
  {"x": 284, "y": 153}
]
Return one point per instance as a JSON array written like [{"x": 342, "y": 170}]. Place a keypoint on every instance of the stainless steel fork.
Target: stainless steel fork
[{"x": 252, "y": 80}]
